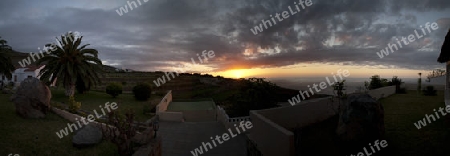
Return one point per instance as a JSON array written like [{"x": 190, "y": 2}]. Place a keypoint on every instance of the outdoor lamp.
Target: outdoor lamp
[{"x": 155, "y": 127}]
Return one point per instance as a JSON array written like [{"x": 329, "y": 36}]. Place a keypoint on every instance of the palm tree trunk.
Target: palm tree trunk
[{"x": 70, "y": 90}]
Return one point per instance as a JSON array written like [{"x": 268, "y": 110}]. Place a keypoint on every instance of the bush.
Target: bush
[
  {"x": 429, "y": 91},
  {"x": 142, "y": 91},
  {"x": 114, "y": 89},
  {"x": 402, "y": 91},
  {"x": 74, "y": 106}
]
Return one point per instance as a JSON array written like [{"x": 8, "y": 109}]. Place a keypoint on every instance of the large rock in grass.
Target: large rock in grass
[
  {"x": 361, "y": 120},
  {"x": 87, "y": 136},
  {"x": 32, "y": 98}
]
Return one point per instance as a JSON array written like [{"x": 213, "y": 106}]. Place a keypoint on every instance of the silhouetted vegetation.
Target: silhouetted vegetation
[
  {"x": 6, "y": 66},
  {"x": 69, "y": 62},
  {"x": 377, "y": 82},
  {"x": 429, "y": 91},
  {"x": 114, "y": 89},
  {"x": 142, "y": 91},
  {"x": 255, "y": 94}
]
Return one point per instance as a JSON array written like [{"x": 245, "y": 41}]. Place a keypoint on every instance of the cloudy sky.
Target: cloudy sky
[{"x": 166, "y": 34}]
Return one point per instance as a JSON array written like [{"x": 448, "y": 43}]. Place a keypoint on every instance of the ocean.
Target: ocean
[{"x": 351, "y": 84}]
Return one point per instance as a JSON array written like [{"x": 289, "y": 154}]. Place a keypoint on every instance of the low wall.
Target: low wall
[
  {"x": 199, "y": 115},
  {"x": 382, "y": 92},
  {"x": 271, "y": 126},
  {"x": 171, "y": 116},
  {"x": 270, "y": 138},
  {"x": 411, "y": 86},
  {"x": 302, "y": 114},
  {"x": 162, "y": 106}
]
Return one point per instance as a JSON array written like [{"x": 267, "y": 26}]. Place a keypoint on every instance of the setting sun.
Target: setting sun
[{"x": 235, "y": 73}]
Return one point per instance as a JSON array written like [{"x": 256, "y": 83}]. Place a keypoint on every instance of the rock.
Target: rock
[
  {"x": 87, "y": 136},
  {"x": 32, "y": 98},
  {"x": 361, "y": 120}
]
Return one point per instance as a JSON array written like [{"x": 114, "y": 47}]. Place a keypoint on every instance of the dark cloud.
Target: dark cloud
[{"x": 160, "y": 32}]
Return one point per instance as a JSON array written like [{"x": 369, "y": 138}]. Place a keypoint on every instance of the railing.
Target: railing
[
  {"x": 223, "y": 117},
  {"x": 239, "y": 119}
]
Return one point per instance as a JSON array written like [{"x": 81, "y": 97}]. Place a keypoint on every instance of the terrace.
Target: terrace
[{"x": 315, "y": 127}]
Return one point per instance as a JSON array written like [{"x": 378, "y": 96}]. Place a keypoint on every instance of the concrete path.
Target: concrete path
[{"x": 179, "y": 139}]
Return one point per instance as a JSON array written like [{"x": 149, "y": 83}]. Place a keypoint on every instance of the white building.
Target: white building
[
  {"x": 21, "y": 74},
  {"x": 439, "y": 80}
]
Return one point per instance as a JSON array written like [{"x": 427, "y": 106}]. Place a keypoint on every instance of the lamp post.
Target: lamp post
[{"x": 155, "y": 125}]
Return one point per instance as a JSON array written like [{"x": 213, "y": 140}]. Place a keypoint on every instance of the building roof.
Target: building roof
[
  {"x": 445, "y": 51},
  {"x": 32, "y": 67}
]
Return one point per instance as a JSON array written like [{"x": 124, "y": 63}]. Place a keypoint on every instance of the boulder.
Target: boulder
[
  {"x": 361, "y": 120},
  {"x": 32, "y": 98},
  {"x": 87, "y": 136}
]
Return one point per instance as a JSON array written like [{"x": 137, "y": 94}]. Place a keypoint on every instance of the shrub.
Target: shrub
[
  {"x": 375, "y": 82},
  {"x": 429, "y": 91},
  {"x": 142, "y": 91},
  {"x": 114, "y": 89},
  {"x": 74, "y": 106},
  {"x": 339, "y": 88},
  {"x": 402, "y": 91},
  {"x": 121, "y": 131}
]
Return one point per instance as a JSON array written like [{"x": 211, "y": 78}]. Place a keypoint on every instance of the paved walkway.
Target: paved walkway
[{"x": 179, "y": 139}]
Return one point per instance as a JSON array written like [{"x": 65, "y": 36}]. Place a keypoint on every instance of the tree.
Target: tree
[
  {"x": 6, "y": 66},
  {"x": 254, "y": 94},
  {"x": 68, "y": 62},
  {"x": 375, "y": 82}
]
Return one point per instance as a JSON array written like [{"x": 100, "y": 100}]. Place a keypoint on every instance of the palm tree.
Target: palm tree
[
  {"x": 6, "y": 66},
  {"x": 67, "y": 64}
]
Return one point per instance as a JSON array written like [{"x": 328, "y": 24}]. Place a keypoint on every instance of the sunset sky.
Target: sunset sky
[{"x": 162, "y": 35}]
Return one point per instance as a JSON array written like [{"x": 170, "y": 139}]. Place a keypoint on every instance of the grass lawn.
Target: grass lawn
[
  {"x": 91, "y": 101},
  {"x": 401, "y": 112},
  {"x": 38, "y": 136}
]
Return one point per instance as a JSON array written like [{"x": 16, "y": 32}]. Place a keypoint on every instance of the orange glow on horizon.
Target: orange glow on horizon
[{"x": 319, "y": 70}]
